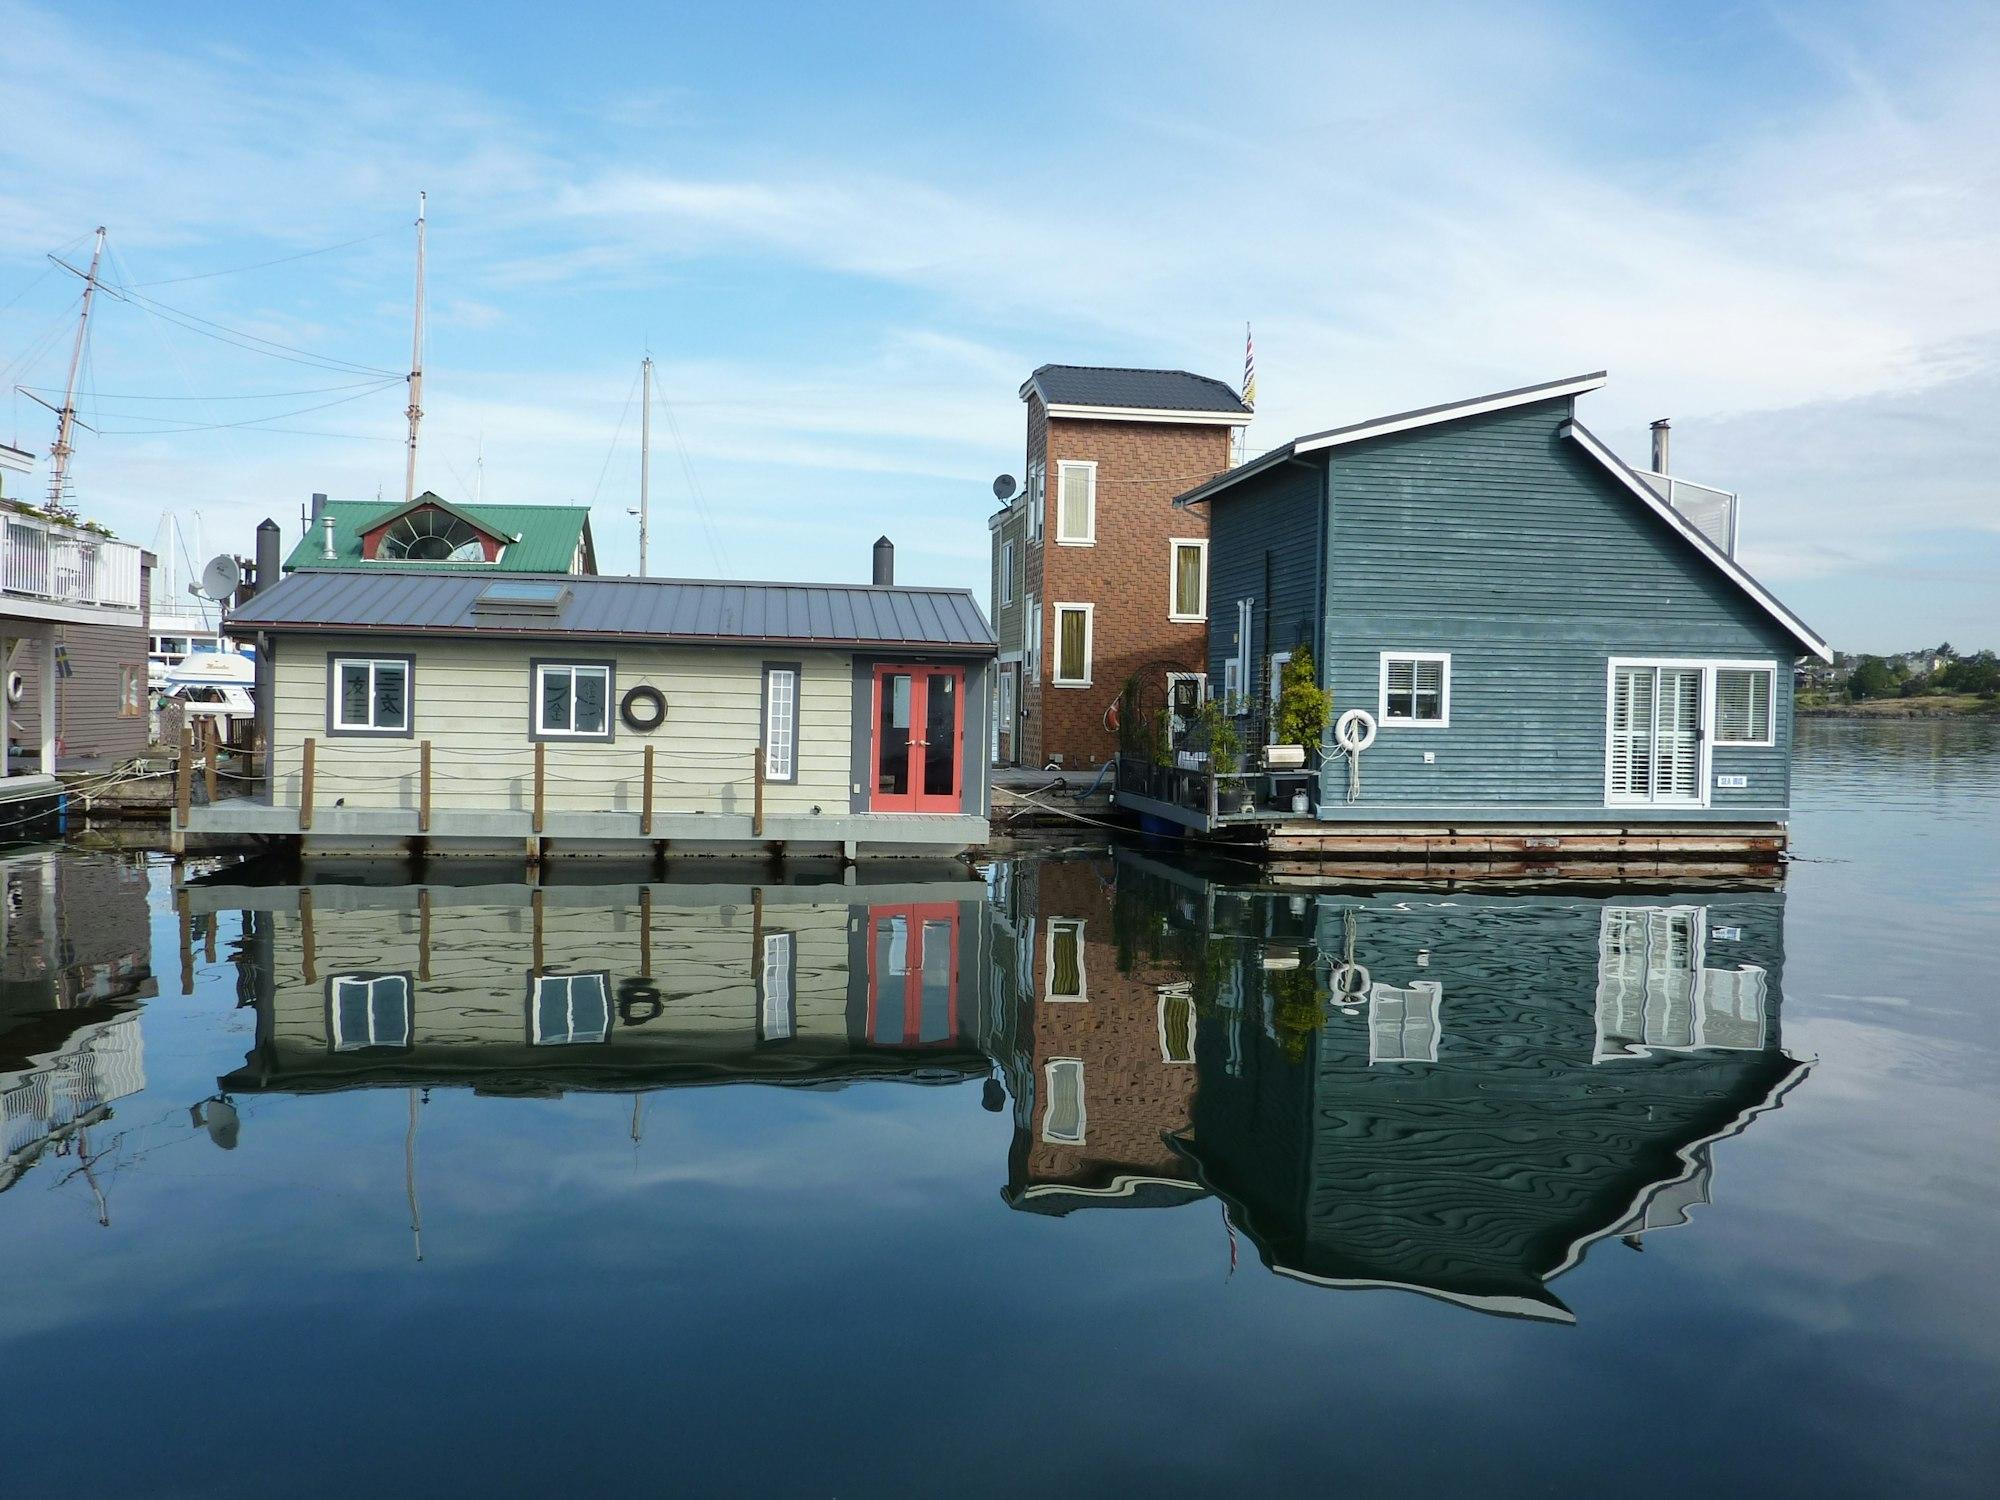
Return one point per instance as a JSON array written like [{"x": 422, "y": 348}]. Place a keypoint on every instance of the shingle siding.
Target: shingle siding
[
  {"x": 1264, "y": 546},
  {"x": 1494, "y": 540}
]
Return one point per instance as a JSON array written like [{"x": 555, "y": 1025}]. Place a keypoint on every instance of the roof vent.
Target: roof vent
[{"x": 885, "y": 562}]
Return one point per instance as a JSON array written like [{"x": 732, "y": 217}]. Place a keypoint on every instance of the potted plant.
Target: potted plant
[{"x": 1302, "y": 713}]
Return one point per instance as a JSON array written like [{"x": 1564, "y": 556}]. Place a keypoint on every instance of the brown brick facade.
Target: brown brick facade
[
  {"x": 1133, "y": 1097},
  {"x": 1125, "y": 574}
]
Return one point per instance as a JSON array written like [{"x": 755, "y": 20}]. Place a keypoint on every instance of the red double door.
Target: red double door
[{"x": 919, "y": 739}]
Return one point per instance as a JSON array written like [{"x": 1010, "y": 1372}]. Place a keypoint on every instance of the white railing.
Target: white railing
[
  {"x": 1712, "y": 511},
  {"x": 67, "y": 565}
]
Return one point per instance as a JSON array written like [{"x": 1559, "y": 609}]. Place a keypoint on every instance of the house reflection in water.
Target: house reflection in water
[
  {"x": 75, "y": 960},
  {"x": 507, "y": 988},
  {"x": 1497, "y": 1083},
  {"x": 1455, "y": 1095}
]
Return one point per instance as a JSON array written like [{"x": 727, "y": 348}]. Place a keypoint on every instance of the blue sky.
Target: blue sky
[{"x": 846, "y": 235}]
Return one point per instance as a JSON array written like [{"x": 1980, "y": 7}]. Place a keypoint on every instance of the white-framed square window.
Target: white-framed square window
[
  {"x": 368, "y": 1012},
  {"x": 1416, "y": 689},
  {"x": 1744, "y": 711},
  {"x": 569, "y": 1009},
  {"x": 1232, "y": 684},
  {"x": 572, "y": 700},
  {"x": 1033, "y": 610},
  {"x": 1076, "y": 503},
  {"x": 369, "y": 694},
  {"x": 1038, "y": 490},
  {"x": 1073, "y": 644},
  {"x": 1063, "y": 1116},
  {"x": 1187, "y": 583},
  {"x": 1403, "y": 1022},
  {"x": 1006, "y": 572},
  {"x": 1066, "y": 977},
  {"x": 781, "y": 720}
]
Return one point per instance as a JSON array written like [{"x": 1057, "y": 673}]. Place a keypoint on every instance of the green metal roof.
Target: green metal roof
[{"x": 548, "y": 536}]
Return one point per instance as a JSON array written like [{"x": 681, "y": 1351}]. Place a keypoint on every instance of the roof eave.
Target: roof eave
[
  {"x": 540, "y": 630},
  {"x": 1619, "y": 470},
  {"x": 1074, "y": 412},
  {"x": 1453, "y": 411}
]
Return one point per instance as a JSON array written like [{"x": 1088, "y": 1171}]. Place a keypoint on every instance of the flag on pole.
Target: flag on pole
[{"x": 1249, "y": 369}]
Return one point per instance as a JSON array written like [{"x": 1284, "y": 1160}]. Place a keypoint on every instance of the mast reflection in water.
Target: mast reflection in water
[{"x": 1450, "y": 1094}]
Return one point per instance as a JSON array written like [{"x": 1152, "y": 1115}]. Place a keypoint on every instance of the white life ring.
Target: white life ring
[
  {"x": 1351, "y": 983},
  {"x": 1356, "y": 730},
  {"x": 16, "y": 689}
]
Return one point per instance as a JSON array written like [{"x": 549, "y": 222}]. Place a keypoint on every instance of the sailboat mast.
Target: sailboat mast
[
  {"x": 645, "y": 453},
  {"x": 66, "y": 416},
  {"x": 415, "y": 410}
]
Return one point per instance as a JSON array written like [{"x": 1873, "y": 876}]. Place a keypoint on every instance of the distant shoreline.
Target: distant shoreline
[{"x": 1930, "y": 706}]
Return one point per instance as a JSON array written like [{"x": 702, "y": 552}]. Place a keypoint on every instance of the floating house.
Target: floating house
[
  {"x": 540, "y": 713},
  {"x": 1535, "y": 647}
]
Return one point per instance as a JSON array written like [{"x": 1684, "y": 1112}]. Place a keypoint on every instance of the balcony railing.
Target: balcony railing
[
  {"x": 1712, "y": 511},
  {"x": 46, "y": 560}
]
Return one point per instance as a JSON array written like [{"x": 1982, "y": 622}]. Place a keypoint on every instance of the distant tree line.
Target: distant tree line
[{"x": 1919, "y": 673}]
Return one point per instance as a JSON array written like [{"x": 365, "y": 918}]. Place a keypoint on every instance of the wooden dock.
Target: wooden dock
[{"x": 1521, "y": 852}]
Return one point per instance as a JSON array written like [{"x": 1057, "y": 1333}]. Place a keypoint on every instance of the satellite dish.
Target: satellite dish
[
  {"x": 221, "y": 577},
  {"x": 1004, "y": 487}
]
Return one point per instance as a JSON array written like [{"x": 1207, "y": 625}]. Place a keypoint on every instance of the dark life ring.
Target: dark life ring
[{"x": 643, "y": 708}]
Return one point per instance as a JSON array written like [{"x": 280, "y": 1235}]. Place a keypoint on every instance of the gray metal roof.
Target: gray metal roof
[
  {"x": 1145, "y": 390},
  {"x": 665, "y": 609}
]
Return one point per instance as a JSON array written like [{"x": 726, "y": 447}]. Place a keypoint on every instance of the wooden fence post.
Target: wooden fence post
[
  {"x": 757, "y": 804},
  {"x": 184, "y": 775},
  {"x": 541, "y": 770},
  {"x": 306, "y": 788},
  {"x": 423, "y": 786},
  {"x": 646, "y": 797},
  {"x": 208, "y": 770}
]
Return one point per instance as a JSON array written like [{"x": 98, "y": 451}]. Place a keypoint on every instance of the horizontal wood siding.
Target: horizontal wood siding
[
  {"x": 1498, "y": 541},
  {"x": 88, "y": 721},
  {"x": 472, "y": 702},
  {"x": 1260, "y": 535}
]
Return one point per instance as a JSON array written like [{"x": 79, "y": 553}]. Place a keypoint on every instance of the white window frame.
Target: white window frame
[
  {"x": 374, "y": 664},
  {"x": 542, "y": 729},
  {"x": 1049, "y": 1133},
  {"x": 1089, "y": 612},
  {"x": 1769, "y": 671},
  {"x": 777, "y": 990},
  {"x": 340, "y": 1042},
  {"x": 1034, "y": 638},
  {"x": 1704, "y": 724},
  {"x": 1246, "y": 623},
  {"x": 1007, "y": 572},
  {"x": 1389, "y": 721},
  {"x": 1063, "y": 470},
  {"x": 1174, "y": 546},
  {"x": 781, "y": 751},
  {"x": 1232, "y": 683},
  {"x": 1082, "y": 995},
  {"x": 1038, "y": 489},
  {"x": 569, "y": 1038},
  {"x": 1178, "y": 994},
  {"x": 1200, "y": 681}
]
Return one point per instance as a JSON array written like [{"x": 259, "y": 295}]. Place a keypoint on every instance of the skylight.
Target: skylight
[{"x": 516, "y": 596}]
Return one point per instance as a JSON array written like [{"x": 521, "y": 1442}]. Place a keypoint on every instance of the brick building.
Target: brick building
[
  {"x": 1105, "y": 1058},
  {"x": 1096, "y": 577}
]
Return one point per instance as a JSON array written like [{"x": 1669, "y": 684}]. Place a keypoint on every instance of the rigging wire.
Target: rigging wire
[
  {"x": 223, "y": 333},
  {"x": 283, "y": 260},
  {"x": 617, "y": 432},
  {"x": 249, "y": 422},
  {"x": 317, "y": 390},
  {"x": 715, "y": 549}
]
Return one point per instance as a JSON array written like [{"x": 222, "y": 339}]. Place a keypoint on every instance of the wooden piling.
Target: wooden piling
[
  {"x": 646, "y": 797},
  {"x": 184, "y": 776},
  {"x": 646, "y": 927},
  {"x": 208, "y": 770},
  {"x": 306, "y": 788},
  {"x": 187, "y": 940},
  {"x": 541, "y": 776},
  {"x": 757, "y": 803},
  {"x": 307, "y": 967},
  {"x": 535, "y": 904},
  {"x": 424, "y": 787}
]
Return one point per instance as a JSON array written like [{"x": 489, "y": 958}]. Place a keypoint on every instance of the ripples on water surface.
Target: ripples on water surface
[{"x": 1092, "y": 1173}]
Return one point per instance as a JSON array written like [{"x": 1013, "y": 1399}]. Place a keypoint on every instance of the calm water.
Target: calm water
[{"x": 1093, "y": 1173}]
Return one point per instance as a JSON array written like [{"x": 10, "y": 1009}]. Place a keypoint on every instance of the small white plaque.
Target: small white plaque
[{"x": 1732, "y": 781}]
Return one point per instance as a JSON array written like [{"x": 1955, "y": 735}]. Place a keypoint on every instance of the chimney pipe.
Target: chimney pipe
[
  {"x": 885, "y": 561},
  {"x": 318, "y": 505},
  {"x": 326, "y": 547},
  {"x": 1660, "y": 446},
  {"x": 269, "y": 559}
]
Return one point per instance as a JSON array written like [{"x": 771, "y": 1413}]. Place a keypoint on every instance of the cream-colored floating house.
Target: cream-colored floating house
[{"x": 558, "y": 714}]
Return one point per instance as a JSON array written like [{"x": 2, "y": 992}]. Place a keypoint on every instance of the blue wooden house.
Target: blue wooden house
[{"x": 1545, "y": 642}]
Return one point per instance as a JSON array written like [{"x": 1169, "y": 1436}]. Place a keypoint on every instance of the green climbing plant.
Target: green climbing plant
[{"x": 1303, "y": 705}]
